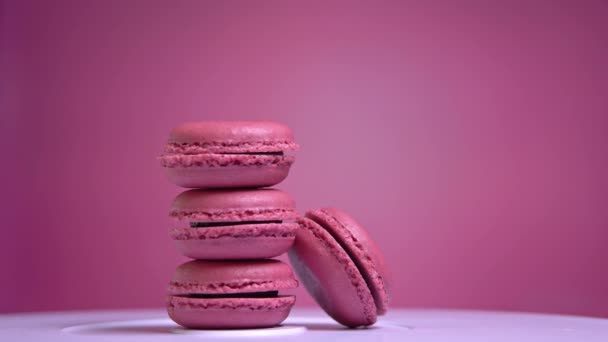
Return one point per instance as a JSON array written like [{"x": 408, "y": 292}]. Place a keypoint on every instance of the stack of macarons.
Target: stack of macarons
[{"x": 231, "y": 225}]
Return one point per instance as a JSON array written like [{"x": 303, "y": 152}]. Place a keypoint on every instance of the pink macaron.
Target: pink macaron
[
  {"x": 341, "y": 267},
  {"x": 230, "y": 294},
  {"x": 224, "y": 154},
  {"x": 233, "y": 224}
]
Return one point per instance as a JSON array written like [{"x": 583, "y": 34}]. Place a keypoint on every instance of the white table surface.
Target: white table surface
[{"x": 307, "y": 325}]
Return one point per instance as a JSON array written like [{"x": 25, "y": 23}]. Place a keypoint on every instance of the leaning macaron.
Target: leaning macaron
[
  {"x": 341, "y": 267},
  {"x": 233, "y": 224},
  {"x": 230, "y": 294},
  {"x": 228, "y": 154}
]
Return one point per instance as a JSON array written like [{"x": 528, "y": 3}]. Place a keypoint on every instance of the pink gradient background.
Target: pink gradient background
[{"x": 470, "y": 137}]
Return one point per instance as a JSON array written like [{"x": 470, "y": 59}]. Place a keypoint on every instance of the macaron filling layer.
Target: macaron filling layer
[
  {"x": 218, "y": 293},
  {"x": 225, "y": 224},
  {"x": 279, "y": 153},
  {"x": 230, "y": 147},
  {"x": 265, "y": 294},
  {"x": 233, "y": 215},
  {"x": 224, "y": 154},
  {"x": 225, "y": 160}
]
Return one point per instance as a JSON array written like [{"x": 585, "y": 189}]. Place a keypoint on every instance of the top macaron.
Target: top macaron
[{"x": 228, "y": 154}]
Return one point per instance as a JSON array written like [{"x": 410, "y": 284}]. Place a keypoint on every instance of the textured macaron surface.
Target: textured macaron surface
[
  {"x": 230, "y": 294},
  {"x": 240, "y": 205},
  {"x": 235, "y": 241},
  {"x": 270, "y": 230},
  {"x": 225, "y": 160},
  {"x": 245, "y": 304},
  {"x": 230, "y": 137},
  {"x": 330, "y": 276},
  {"x": 358, "y": 244},
  {"x": 228, "y": 277}
]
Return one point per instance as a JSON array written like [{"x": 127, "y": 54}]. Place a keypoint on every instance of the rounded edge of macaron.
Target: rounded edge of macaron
[
  {"x": 316, "y": 256},
  {"x": 359, "y": 245}
]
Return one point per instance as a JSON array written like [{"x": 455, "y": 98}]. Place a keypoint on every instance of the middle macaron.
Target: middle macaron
[{"x": 233, "y": 224}]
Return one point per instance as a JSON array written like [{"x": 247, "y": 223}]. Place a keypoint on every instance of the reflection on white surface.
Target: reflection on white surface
[
  {"x": 308, "y": 325},
  {"x": 246, "y": 333},
  {"x": 292, "y": 326},
  {"x": 167, "y": 326}
]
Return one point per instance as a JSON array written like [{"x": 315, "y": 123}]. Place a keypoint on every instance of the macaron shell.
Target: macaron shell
[
  {"x": 220, "y": 277},
  {"x": 230, "y": 137},
  {"x": 362, "y": 249},
  {"x": 331, "y": 277},
  {"x": 247, "y": 176},
  {"x": 233, "y": 205},
  {"x": 235, "y": 242},
  {"x": 226, "y": 313}
]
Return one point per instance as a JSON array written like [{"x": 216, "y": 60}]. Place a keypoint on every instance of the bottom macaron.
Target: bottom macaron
[
  {"x": 229, "y": 313},
  {"x": 230, "y": 294}
]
